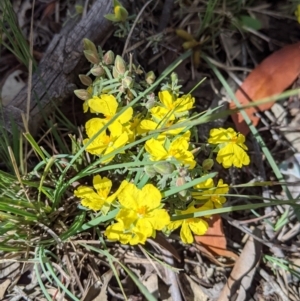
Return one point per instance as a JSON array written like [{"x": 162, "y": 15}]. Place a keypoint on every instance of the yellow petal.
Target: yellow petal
[
  {"x": 95, "y": 148},
  {"x": 148, "y": 125},
  {"x": 198, "y": 226},
  {"x": 144, "y": 226},
  {"x": 89, "y": 198},
  {"x": 184, "y": 103},
  {"x": 84, "y": 192},
  {"x": 105, "y": 104},
  {"x": 174, "y": 225},
  {"x": 118, "y": 143},
  {"x": 162, "y": 114},
  {"x": 127, "y": 216},
  {"x": 186, "y": 234},
  {"x": 128, "y": 196},
  {"x": 116, "y": 232},
  {"x": 159, "y": 219},
  {"x": 102, "y": 185},
  {"x": 179, "y": 144},
  {"x": 126, "y": 116},
  {"x": 217, "y": 136},
  {"x": 93, "y": 125},
  {"x": 115, "y": 129},
  {"x": 156, "y": 150},
  {"x": 232, "y": 154},
  {"x": 149, "y": 196},
  {"x": 167, "y": 98}
]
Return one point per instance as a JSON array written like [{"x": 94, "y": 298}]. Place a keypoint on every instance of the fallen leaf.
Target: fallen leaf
[
  {"x": 161, "y": 240},
  {"x": 271, "y": 77},
  {"x": 151, "y": 283},
  {"x": 214, "y": 239},
  {"x": 3, "y": 287},
  {"x": 49, "y": 10},
  {"x": 241, "y": 277},
  {"x": 12, "y": 86},
  {"x": 191, "y": 290}
]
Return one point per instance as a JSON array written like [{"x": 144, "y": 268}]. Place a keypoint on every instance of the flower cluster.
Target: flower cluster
[{"x": 145, "y": 154}]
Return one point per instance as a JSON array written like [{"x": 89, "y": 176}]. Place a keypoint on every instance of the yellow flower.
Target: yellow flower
[
  {"x": 132, "y": 236},
  {"x": 195, "y": 224},
  {"x": 107, "y": 105},
  {"x": 120, "y": 13},
  {"x": 232, "y": 147},
  {"x": 297, "y": 13},
  {"x": 104, "y": 143},
  {"x": 171, "y": 106},
  {"x": 213, "y": 195},
  {"x": 140, "y": 215},
  {"x": 133, "y": 128},
  {"x": 95, "y": 200},
  {"x": 178, "y": 150},
  {"x": 150, "y": 125}
]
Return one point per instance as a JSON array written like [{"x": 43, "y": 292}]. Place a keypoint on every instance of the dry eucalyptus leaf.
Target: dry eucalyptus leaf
[
  {"x": 242, "y": 274},
  {"x": 3, "y": 287},
  {"x": 12, "y": 86},
  {"x": 192, "y": 290},
  {"x": 152, "y": 285},
  {"x": 271, "y": 77}
]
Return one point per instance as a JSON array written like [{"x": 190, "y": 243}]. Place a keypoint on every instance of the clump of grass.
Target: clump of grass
[{"x": 39, "y": 212}]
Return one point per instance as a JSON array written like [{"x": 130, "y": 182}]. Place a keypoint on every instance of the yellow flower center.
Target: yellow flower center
[
  {"x": 142, "y": 210},
  {"x": 103, "y": 193},
  {"x": 106, "y": 140},
  {"x": 173, "y": 152},
  {"x": 234, "y": 139},
  {"x": 215, "y": 198}
]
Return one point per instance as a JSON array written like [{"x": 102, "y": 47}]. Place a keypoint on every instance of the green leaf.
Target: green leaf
[{"x": 250, "y": 22}]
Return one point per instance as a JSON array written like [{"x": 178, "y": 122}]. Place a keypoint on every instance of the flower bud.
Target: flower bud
[
  {"x": 115, "y": 73},
  {"x": 189, "y": 44},
  {"x": 174, "y": 77},
  {"x": 184, "y": 34},
  {"x": 120, "y": 65},
  {"x": 149, "y": 170},
  {"x": 121, "y": 13},
  {"x": 150, "y": 77},
  {"x": 164, "y": 168},
  {"x": 126, "y": 82},
  {"x": 150, "y": 103},
  {"x": 108, "y": 57},
  {"x": 89, "y": 45},
  {"x": 185, "y": 195},
  {"x": 207, "y": 164},
  {"x": 85, "y": 80},
  {"x": 97, "y": 70},
  {"x": 82, "y": 94},
  {"x": 91, "y": 56}
]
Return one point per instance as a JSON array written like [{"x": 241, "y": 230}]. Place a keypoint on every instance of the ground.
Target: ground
[{"x": 261, "y": 243}]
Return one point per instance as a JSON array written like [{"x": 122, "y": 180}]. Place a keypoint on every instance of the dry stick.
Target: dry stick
[
  {"x": 133, "y": 26},
  {"x": 165, "y": 15},
  {"x": 263, "y": 241},
  {"x": 254, "y": 220},
  {"x": 30, "y": 67},
  {"x": 29, "y": 83}
]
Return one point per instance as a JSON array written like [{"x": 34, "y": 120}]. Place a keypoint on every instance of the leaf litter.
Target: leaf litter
[{"x": 202, "y": 271}]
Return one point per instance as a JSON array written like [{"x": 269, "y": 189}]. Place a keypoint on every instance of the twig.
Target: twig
[
  {"x": 133, "y": 26},
  {"x": 165, "y": 15}
]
